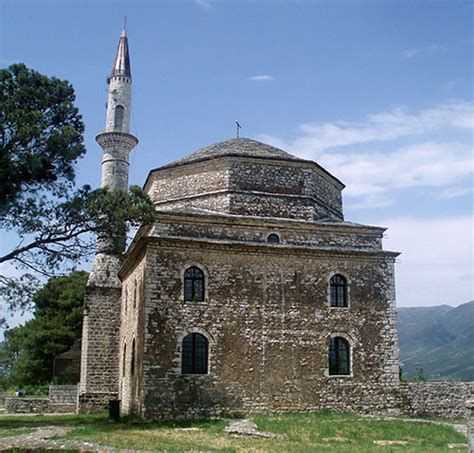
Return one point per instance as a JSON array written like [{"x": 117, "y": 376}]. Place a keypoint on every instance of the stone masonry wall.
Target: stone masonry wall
[
  {"x": 289, "y": 179},
  {"x": 256, "y": 187},
  {"x": 100, "y": 350},
  {"x": 470, "y": 424},
  {"x": 268, "y": 321},
  {"x": 216, "y": 202},
  {"x": 120, "y": 93},
  {"x": 14, "y": 405},
  {"x": 131, "y": 336},
  {"x": 330, "y": 235},
  {"x": 444, "y": 399},
  {"x": 186, "y": 181},
  {"x": 115, "y": 166},
  {"x": 62, "y": 398},
  {"x": 274, "y": 205},
  {"x": 327, "y": 194}
]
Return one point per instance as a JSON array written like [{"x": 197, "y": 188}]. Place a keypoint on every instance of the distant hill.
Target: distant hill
[{"x": 438, "y": 339}]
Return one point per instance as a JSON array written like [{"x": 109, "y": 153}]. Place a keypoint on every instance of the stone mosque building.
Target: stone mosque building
[{"x": 250, "y": 292}]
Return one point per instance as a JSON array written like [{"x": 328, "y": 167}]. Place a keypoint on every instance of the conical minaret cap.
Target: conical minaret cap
[{"x": 121, "y": 65}]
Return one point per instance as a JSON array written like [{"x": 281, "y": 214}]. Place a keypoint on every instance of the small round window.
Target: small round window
[{"x": 273, "y": 238}]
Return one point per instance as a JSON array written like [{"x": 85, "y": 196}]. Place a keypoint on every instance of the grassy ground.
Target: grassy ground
[
  {"x": 315, "y": 432},
  {"x": 7, "y": 431}
]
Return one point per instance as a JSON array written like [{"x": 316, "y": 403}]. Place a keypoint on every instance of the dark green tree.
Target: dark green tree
[
  {"x": 56, "y": 325},
  {"x": 420, "y": 375},
  {"x": 40, "y": 141},
  {"x": 41, "y": 136}
]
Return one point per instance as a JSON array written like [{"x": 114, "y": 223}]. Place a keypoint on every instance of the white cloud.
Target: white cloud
[
  {"x": 436, "y": 254},
  {"x": 261, "y": 78},
  {"x": 373, "y": 176},
  {"x": 384, "y": 126},
  {"x": 422, "y": 51},
  {"x": 378, "y": 174}
]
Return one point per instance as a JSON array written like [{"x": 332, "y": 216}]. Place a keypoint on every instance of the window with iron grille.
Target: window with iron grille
[
  {"x": 194, "y": 354},
  {"x": 339, "y": 357},
  {"x": 338, "y": 285},
  {"x": 194, "y": 284}
]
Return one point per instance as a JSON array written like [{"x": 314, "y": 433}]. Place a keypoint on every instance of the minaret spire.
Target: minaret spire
[{"x": 121, "y": 66}]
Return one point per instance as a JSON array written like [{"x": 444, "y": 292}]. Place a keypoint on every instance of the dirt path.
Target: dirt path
[{"x": 46, "y": 437}]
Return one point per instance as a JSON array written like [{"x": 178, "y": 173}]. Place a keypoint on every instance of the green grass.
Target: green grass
[
  {"x": 315, "y": 432},
  {"x": 7, "y": 432}
]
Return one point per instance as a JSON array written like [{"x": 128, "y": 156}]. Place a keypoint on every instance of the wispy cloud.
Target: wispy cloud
[
  {"x": 261, "y": 78},
  {"x": 422, "y": 51},
  {"x": 204, "y": 4},
  {"x": 373, "y": 176},
  {"x": 434, "y": 259},
  {"x": 385, "y": 126}
]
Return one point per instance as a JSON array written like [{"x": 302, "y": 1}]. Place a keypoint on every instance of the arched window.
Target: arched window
[
  {"x": 273, "y": 238},
  {"x": 338, "y": 291},
  {"x": 339, "y": 356},
  {"x": 194, "y": 284},
  {"x": 124, "y": 359},
  {"x": 132, "y": 359},
  {"x": 194, "y": 354},
  {"x": 118, "y": 117}
]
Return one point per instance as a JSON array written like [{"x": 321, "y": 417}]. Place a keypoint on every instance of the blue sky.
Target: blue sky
[{"x": 379, "y": 93}]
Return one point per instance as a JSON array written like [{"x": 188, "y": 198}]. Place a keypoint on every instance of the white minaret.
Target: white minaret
[
  {"x": 101, "y": 325},
  {"x": 117, "y": 142}
]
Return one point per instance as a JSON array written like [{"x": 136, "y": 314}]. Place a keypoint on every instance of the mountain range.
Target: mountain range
[{"x": 438, "y": 339}]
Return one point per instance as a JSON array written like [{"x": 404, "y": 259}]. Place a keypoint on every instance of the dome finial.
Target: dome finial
[{"x": 238, "y": 129}]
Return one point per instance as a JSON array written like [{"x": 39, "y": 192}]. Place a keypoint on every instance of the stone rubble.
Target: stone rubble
[{"x": 245, "y": 428}]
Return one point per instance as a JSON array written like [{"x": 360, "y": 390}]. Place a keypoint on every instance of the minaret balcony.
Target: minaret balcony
[{"x": 116, "y": 139}]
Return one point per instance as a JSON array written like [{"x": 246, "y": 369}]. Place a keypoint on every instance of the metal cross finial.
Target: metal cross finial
[{"x": 238, "y": 128}]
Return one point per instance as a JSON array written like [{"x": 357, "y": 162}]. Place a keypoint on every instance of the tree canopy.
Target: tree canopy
[
  {"x": 55, "y": 223},
  {"x": 41, "y": 136},
  {"x": 28, "y": 351}
]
